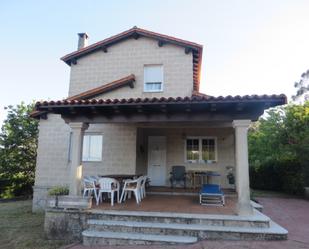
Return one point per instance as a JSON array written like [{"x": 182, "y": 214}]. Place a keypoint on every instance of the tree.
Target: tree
[
  {"x": 18, "y": 145},
  {"x": 302, "y": 88}
]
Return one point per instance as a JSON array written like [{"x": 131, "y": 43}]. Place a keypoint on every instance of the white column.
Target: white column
[
  {"x": 244, "y": 206},
  {"x": 78, "y": 129}
]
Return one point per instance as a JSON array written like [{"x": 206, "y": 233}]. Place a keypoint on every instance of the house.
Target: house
[{"x": 134, "y": 107}]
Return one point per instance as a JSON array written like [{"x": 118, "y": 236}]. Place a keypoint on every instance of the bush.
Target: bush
[
  {"x": 58, "y": 190},
  {"x": 285, "y": 175}
]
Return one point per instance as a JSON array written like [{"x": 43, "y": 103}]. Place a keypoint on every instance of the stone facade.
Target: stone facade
[
  {"x": 129, "y": 57},
  {"x": 53, "y": 164},
  {"x": 175, "y": 149},
  {"x": 52, "y": 167}
]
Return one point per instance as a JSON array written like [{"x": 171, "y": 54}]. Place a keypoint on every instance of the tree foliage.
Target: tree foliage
[
  {"x": 279, "y": 147},
  {"x": 18, "y": 145},
  {"x": 302, "y": 87}
]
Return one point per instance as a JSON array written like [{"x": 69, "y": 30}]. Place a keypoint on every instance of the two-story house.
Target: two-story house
[{"x": 134, "y": 107}]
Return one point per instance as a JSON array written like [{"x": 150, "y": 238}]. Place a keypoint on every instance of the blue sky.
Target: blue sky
[{"x": 250, "y": 47}]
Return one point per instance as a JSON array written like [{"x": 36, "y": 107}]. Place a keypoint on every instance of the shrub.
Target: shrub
[
  {"x": 284, "y": 175},
  {"x": 58, "y": 190}
]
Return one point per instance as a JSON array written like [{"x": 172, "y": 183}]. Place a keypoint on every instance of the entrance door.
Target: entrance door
[{"x": 157, "y": 160}]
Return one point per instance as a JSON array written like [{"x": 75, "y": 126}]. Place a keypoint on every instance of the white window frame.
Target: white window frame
[
  {"x": 200, "y": 160},
  {"x": 89, "y": 159},
  {"x": 162, "y": 83}
]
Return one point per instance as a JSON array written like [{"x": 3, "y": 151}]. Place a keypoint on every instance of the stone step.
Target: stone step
[
  {"x": 256, "y": 220},
  {"x": 94, "y": 238},
  {"x": 192, "y": 230}
]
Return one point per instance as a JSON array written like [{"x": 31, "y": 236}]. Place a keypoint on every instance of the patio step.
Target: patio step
[
  {"x": 190, "y": 230},
  {"x": 257, "y": 220},
  {"x": 93, "y": 238}
]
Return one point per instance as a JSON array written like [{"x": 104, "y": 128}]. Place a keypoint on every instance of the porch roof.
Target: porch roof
[{"x": 194, "y": 108}]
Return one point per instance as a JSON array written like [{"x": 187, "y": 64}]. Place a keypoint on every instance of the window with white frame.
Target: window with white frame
[
  {"x": 201, "y": 149},
  {"x": 153, "y": 78},
  {"x": 92, "y": 148}
]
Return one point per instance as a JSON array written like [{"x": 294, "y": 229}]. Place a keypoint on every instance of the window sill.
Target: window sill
[
  {"x": 91, "y": 161},
  {"x": 202, "y": 162},
  {"x": 156, "y": 91}
]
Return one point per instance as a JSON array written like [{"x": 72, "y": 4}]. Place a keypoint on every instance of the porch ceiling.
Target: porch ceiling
[{"x": 196, "y": 108}]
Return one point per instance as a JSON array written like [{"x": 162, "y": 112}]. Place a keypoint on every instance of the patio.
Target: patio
[{"x": 170, "y": 203}]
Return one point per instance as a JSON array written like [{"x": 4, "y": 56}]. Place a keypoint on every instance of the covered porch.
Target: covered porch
[
  {"x": 182, "y": 202},
  {"x": 176, "y": 121}
]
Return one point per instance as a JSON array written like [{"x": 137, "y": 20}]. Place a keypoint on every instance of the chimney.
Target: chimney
[{"x": 82, "y": 40}]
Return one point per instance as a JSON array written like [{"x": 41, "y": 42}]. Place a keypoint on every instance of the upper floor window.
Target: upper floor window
[{"x": 153, "y": 78}]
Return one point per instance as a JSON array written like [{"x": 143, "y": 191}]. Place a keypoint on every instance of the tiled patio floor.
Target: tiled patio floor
[{"x": 166, "y": 203}]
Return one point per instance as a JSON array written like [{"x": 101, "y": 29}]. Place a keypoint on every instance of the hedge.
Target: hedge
[{"x": 286, "y": 176}]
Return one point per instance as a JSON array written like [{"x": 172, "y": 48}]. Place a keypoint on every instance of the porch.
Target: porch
[
  {"x": 199, "y": 132},
  {"x": 180, "y": 202}
]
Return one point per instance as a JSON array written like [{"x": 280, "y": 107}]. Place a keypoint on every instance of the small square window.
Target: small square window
[{"x": 153, "y": 78}]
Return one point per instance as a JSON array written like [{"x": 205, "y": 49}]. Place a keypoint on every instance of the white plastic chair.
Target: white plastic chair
[
  {"x": 108, "y": 185},
  {"x": 143, "y": 187},
  {"x": 132, "y": 186},
  {"x": 90, "y": 187}
]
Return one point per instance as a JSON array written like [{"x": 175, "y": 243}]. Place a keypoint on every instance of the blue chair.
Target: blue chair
[{"x": 211, "y": 194}]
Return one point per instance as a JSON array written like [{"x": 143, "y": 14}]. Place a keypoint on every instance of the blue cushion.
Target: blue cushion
[{"x": 211, "y": 189}]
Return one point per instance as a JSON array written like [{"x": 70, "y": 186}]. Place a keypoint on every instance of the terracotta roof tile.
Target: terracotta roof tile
[
  {"x": 126, "y": 81},
  {"x": 193, "y": 99}
]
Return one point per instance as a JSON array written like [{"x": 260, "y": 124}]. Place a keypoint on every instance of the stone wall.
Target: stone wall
[
  {"x": 175, "y": 154},
  {"x": 53, "y": 165},
  {"x": 129, "y": 57},
  {"x": 65, "y": 224}
]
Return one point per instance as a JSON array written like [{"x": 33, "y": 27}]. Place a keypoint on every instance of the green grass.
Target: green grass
[{"x": 22, "y": 229}]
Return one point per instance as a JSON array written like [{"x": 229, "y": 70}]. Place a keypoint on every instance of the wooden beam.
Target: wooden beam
[
  {"x": 163, "y": 108},
  {"x": 104, "y": 49},
  {"x": 162, "y": 117},
  {"x": 116, "y": 109},
  {"x": 188, "y": 108},
  {"x": 239, "y": 107},
  {"x": 131, "y": 84},
  {"x": 72, "y": 110},
  {"x": 160, "y": 43},
  {"x": 213, "y": 107},
  {"x": 188, "y": 50},
  {"x": 93, "y": 110},
  {"x": 136, "y": 36},
  {"x": 267, "y": 105},
  {"x": 139, "y": 109}
]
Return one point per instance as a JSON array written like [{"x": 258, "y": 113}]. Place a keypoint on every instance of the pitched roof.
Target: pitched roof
[
  {"x": 135, "y": 32},
  {"x": 279, "y": 99},
  {"x": 126, "y": 81},
  {"x": 244, "y": 107}
]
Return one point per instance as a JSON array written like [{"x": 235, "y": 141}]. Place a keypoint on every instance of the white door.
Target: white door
[{"x": 157, "y": 160}]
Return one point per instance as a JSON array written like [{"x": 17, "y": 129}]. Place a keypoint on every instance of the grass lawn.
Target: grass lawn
[{"x": 22, "y": 229}]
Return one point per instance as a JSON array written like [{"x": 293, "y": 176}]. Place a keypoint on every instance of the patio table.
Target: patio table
[
  {"x": 121, "y": 177},
  {"x": 201, "y": 174}
]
